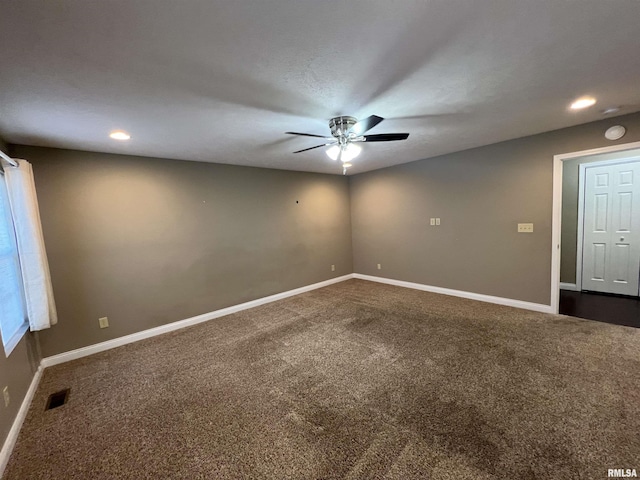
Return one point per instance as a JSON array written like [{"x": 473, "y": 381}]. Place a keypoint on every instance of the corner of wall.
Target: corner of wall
[{"x": 353, "y": 253}]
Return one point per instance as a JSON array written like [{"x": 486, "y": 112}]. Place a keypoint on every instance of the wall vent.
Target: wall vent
[{"x": 57, "y": 399}]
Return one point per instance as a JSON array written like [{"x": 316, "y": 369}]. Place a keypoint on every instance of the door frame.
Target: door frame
[
  {"x": 580, "y": 236},
  {"x": 556, "y": 220}
]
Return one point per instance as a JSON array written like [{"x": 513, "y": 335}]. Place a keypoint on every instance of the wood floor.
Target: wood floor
[{"x": 614, "y": 309}]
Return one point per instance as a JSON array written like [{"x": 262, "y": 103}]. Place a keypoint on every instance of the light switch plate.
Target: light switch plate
[
  {"x": 104, "y": 322},
  {"x": 525, "y": 228}
]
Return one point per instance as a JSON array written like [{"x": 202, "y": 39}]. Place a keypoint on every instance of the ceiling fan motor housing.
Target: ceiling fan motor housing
[{"x": 341, "y": 125}]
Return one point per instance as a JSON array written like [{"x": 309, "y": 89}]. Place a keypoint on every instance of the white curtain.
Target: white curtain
[{"x": 41, "y": 308}]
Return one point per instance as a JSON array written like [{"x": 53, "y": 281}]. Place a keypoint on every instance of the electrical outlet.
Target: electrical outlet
[
  {"x": 104, "y": 322},
  {"x": 525, "y": 228},
  {"x": 379, "y": 267},
  {"x": 7, "y": 398},
  {"x": 333, "y": 268}
]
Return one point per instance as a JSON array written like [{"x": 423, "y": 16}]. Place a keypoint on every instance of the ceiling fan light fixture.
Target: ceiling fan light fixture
[
  {"x": 350, "y": 152},
  {"x": 347, "y": 133},
  {"x": 333, "y": 152}
]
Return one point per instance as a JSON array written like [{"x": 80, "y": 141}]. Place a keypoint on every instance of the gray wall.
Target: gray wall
[
  {"x": 570, "y": 181},
  {"x": 147, "y": 241},
  {"x": 481, "y": 195}
]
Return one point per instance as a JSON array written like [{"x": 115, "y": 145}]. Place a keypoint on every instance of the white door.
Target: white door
[{"x": 611, "y": 239}]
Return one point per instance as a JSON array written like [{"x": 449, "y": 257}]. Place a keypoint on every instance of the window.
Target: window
[{"x": 13, "y": 317}]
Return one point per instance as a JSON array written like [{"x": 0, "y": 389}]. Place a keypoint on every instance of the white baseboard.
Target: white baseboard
[
  {"x": 10, "y": 441},
  {"x": 537, "y": 307},
  {"x": 135, "y": 337},
  {"x": 569, "y": 286},
  {"x": 170, "y": 327}
]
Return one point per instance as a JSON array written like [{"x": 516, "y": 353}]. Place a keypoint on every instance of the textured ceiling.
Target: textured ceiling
[{"x": 221, "y": 81}]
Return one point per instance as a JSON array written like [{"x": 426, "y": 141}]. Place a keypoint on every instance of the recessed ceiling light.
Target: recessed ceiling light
[
  {"x": 120, "y": 135},
  {"x": 583, "y": 102}
]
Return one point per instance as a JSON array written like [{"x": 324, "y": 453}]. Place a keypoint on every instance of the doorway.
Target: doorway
[{"x": 573, "y": 258}]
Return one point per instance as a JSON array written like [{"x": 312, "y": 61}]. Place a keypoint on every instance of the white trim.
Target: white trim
[
  {"x": 537, "y": 307},
  {"x": 580, "y": 231},
  {"x": 556, "y": 223},
  {"x": 556, "y": 229},
  {"x": 170, "y": 327},
  {"x": 569, "y": 286},
  {"x": 10, "y": 441},
  {"x": 597, "y": 151},
  {"x": 15, "y": 339}
]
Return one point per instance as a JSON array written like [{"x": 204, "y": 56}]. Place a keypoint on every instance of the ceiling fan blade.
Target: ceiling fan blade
[
  {"x": 385, "y": 137},
  {"x": 306, "y": 134},
  {"x": 366, "y": 124},
  {"x": 311, "y": 148}
]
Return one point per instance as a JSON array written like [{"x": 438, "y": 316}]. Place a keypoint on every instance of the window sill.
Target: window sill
[{"x": 15, "y": 339}]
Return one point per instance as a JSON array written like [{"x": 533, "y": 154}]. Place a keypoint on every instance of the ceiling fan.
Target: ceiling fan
[{"x": 346, "y": 132}]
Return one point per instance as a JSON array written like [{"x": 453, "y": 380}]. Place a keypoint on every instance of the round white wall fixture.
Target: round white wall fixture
[{"x": 614, "y": 133}]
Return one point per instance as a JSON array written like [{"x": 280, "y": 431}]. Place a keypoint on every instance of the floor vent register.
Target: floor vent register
[{"x": 57, "y": 399}]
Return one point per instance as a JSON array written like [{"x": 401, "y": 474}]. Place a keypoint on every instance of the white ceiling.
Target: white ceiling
[{"x": 221, "y": 81}]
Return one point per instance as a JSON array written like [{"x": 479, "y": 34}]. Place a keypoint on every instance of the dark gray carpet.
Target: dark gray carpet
[{"x": 357, "y": 380}]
